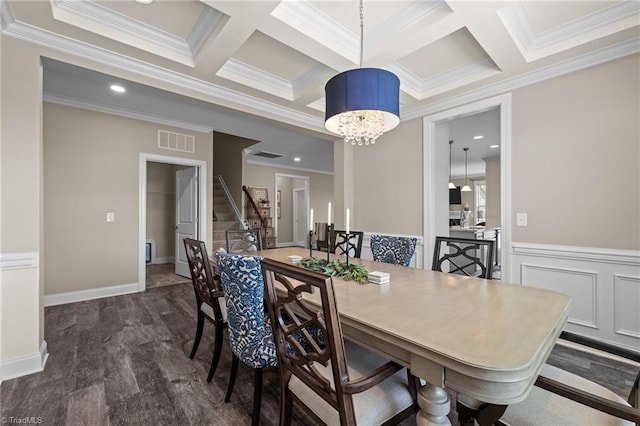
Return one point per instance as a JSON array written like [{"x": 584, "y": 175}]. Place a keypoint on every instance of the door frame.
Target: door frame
[
  {"x": 429, "y": 162},
  {"x": 294, "y": 204},
  {"x": 142, "y": 203}
]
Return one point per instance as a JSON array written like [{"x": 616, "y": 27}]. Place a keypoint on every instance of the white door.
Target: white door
[
  {"x": 186, "y": 214},
  {"x": 300, "y": 216}
]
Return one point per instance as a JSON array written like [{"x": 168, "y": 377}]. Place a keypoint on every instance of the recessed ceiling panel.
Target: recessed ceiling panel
[
  {"x": 161, "y": 14},
  {"x": 347, "y": 14},
  {"x": 547, "y": 15}
]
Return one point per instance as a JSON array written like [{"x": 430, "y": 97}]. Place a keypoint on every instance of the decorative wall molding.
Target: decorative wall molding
[
  {"x": 24, "y": 365},
  {"x": 24, "y": 260},
  {"x": 604, "y": 285},
  {"x": 287, "y": 167},
  {"x": 626, "y": 288},
  {"x": 562, "y": 275},
  {"x": 90, "y": 294},
  {"x": 616, "y": 256}
]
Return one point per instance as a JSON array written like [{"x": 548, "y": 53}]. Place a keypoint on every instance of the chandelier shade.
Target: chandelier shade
[{"x": 362, "y": 103}]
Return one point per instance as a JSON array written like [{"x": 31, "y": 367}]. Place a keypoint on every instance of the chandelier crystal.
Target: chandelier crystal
[{"x": 361, "y": 127}]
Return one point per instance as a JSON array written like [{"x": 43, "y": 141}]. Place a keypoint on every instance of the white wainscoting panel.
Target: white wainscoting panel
[
  {"x": 416, "y": 260},
  {"x": 604, "y": 286},
  {"x": 581, "y": 286},
  {"x": 627, "y": 298}
]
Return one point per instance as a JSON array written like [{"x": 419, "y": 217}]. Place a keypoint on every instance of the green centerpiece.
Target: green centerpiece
[{"x": 348, "y": 272}]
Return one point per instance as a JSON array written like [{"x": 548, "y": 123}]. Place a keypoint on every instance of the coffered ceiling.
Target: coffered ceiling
[{"x": 273, "y": 58}]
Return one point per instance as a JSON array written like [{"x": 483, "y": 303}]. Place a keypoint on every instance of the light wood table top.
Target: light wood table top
[{"x": 487, "y": 339}]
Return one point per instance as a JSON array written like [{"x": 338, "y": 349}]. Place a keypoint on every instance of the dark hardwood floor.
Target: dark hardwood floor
[{"x": 124, "y": 361}]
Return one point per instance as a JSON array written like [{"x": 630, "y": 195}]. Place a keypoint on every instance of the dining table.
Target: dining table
[{"x": 486, "y": 340}]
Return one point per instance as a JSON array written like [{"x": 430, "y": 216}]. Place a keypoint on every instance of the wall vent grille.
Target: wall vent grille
[
  {"x": 176, "y": 141},
  {"x": 267, "y": 154}
]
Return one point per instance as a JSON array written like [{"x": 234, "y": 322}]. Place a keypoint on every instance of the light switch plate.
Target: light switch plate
[
  {"x": 111, "y": 217},
  {"x": 521, "y": 219}
]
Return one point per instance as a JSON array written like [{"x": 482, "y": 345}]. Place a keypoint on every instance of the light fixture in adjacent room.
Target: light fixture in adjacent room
[
  {"x": 117, "y": 88},
  {"x": 478, "y": 137},
  {"x": 451, "y": 184},
  {"x": 296, "y": 159},
  {"x": 144, "y": 1},
  {"x": 494, "y": 146},
  {"x": 466, "y": 187},
  {"x": 362, "y": 103}
]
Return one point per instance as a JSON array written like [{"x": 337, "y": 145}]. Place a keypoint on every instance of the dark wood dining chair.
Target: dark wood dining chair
[
  {"x": 336, "y": 382},
  {"x": 244, "y": 241},
  {"x": 464, "y": 256},
  {"x": 209, "y": 299},
  {"x": 340, "y": 245}
]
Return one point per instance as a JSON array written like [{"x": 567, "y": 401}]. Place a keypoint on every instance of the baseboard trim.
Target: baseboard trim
[
  {"x": 24, "y": 365},
  {"x": 601, "y": 346},
  {"x": 169, "y": 259},
  {"x": 90, "y": 294}
]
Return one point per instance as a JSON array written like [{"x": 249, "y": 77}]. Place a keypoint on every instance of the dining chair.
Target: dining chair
[
  {"x": 340, "y": 245},
  {"x": 208, "y": 290},
  {"x": 244, "y": 240},
  {"x": 250, "y": 334},
  {"x": 563, "y": 398},
  {"x": 391, "y": 249},
  {"x": 466, "y": 256},
  {"x": 338, "y": 382}
]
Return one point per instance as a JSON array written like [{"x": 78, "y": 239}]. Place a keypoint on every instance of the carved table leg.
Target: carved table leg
[{"x": 434, "y": 406}]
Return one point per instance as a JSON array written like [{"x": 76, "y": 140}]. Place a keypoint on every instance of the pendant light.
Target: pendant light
[
  {"x": 363, "y": 103},
  {"x": 451, "y": 184},
  {"x": 466, "y": 187}
]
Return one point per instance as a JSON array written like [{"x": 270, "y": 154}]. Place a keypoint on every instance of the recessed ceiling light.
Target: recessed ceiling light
[
  {"x": 296, "y": 158},
  {"x": 144, "y": 1},
  {"x": 117, "y": 88},
  {"x": 478, "y": 137},
  {"x": 494, "y": 146}
]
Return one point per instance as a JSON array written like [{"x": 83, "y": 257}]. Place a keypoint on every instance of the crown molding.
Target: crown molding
[
  {"x": 220, "y": 94},
  {"x": 280, "y": 166},
  {"x": 256, "y": 78},
  {"x": 6, "y": 15},
  {"x": 533, "y": 45},
  {"x": 124, "y": 112},
  {"x": 620, "y": 50},
  {"x": 210, "y": 20},
  {"x": 315, "y": 24}
]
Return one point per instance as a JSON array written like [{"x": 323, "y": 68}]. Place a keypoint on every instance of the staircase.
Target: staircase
[{"x": 224, "y": 217}]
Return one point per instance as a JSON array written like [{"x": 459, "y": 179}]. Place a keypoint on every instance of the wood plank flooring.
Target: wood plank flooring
[{"x": 124, "y": 361}]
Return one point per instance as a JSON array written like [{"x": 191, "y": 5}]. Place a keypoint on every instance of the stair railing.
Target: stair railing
[
  {"x": 263, "y": 221},
  {"x": 234, "y": 206}
]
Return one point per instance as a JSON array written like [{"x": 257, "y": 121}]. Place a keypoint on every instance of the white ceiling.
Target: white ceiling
[{"x": 271, "y": 59}]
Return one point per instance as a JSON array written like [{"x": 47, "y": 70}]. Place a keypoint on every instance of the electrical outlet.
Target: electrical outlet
[
  {"x": 521, "y": 219},
  {"x": 111, "y": 217}
]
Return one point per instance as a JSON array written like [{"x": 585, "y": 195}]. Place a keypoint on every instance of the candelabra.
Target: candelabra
[
  {"x": 329, "y": 232},
  {"x": 310, "y": 243},
  {"x": 347, "y": 246}
]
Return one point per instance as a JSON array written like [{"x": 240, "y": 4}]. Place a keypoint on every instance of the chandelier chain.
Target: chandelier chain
[{"x": 361, "y": 31}]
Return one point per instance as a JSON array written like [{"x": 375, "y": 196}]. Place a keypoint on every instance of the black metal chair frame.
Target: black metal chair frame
[
  {"x": 461, "y": 258},
  {"x": 340, "y": 245},
  {"x": 208, "y": 290}
]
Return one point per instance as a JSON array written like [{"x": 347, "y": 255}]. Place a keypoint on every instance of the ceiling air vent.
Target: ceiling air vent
[{"x": 266, "y": 154}]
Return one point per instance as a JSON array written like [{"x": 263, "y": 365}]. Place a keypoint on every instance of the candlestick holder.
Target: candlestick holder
[
  {"x": 310, "y": 243},
  {"x": 329, "y": 232},
  {"x": 347, "y": 245}
]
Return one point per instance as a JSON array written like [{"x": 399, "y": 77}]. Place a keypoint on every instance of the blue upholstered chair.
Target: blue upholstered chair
[
  {"x": 390, "y": 249},
  {"x": 250, "y": 334}
]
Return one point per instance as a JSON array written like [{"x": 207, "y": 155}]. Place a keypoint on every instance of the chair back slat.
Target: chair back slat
[
  {"x": 340, "y": 245},
  {"x": 293, "y": 322},
  {"x": 464, "y": 256},
  {"x": 205, "y": 283}
]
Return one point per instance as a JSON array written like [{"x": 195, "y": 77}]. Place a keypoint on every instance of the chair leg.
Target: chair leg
[
  {"x": 286, "y": 405},
  {"x": 199, "y": 328},
  {"x": 257, "y": 397},
  {"x": 232, "y": 378},
  {"x": 217, "y": 349}
]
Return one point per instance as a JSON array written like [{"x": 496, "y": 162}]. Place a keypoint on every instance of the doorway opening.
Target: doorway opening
[
  {"x": 190, "y": 203},
  {"x": 435, "y": 194},
  {"x": 291, "y": 210}
]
